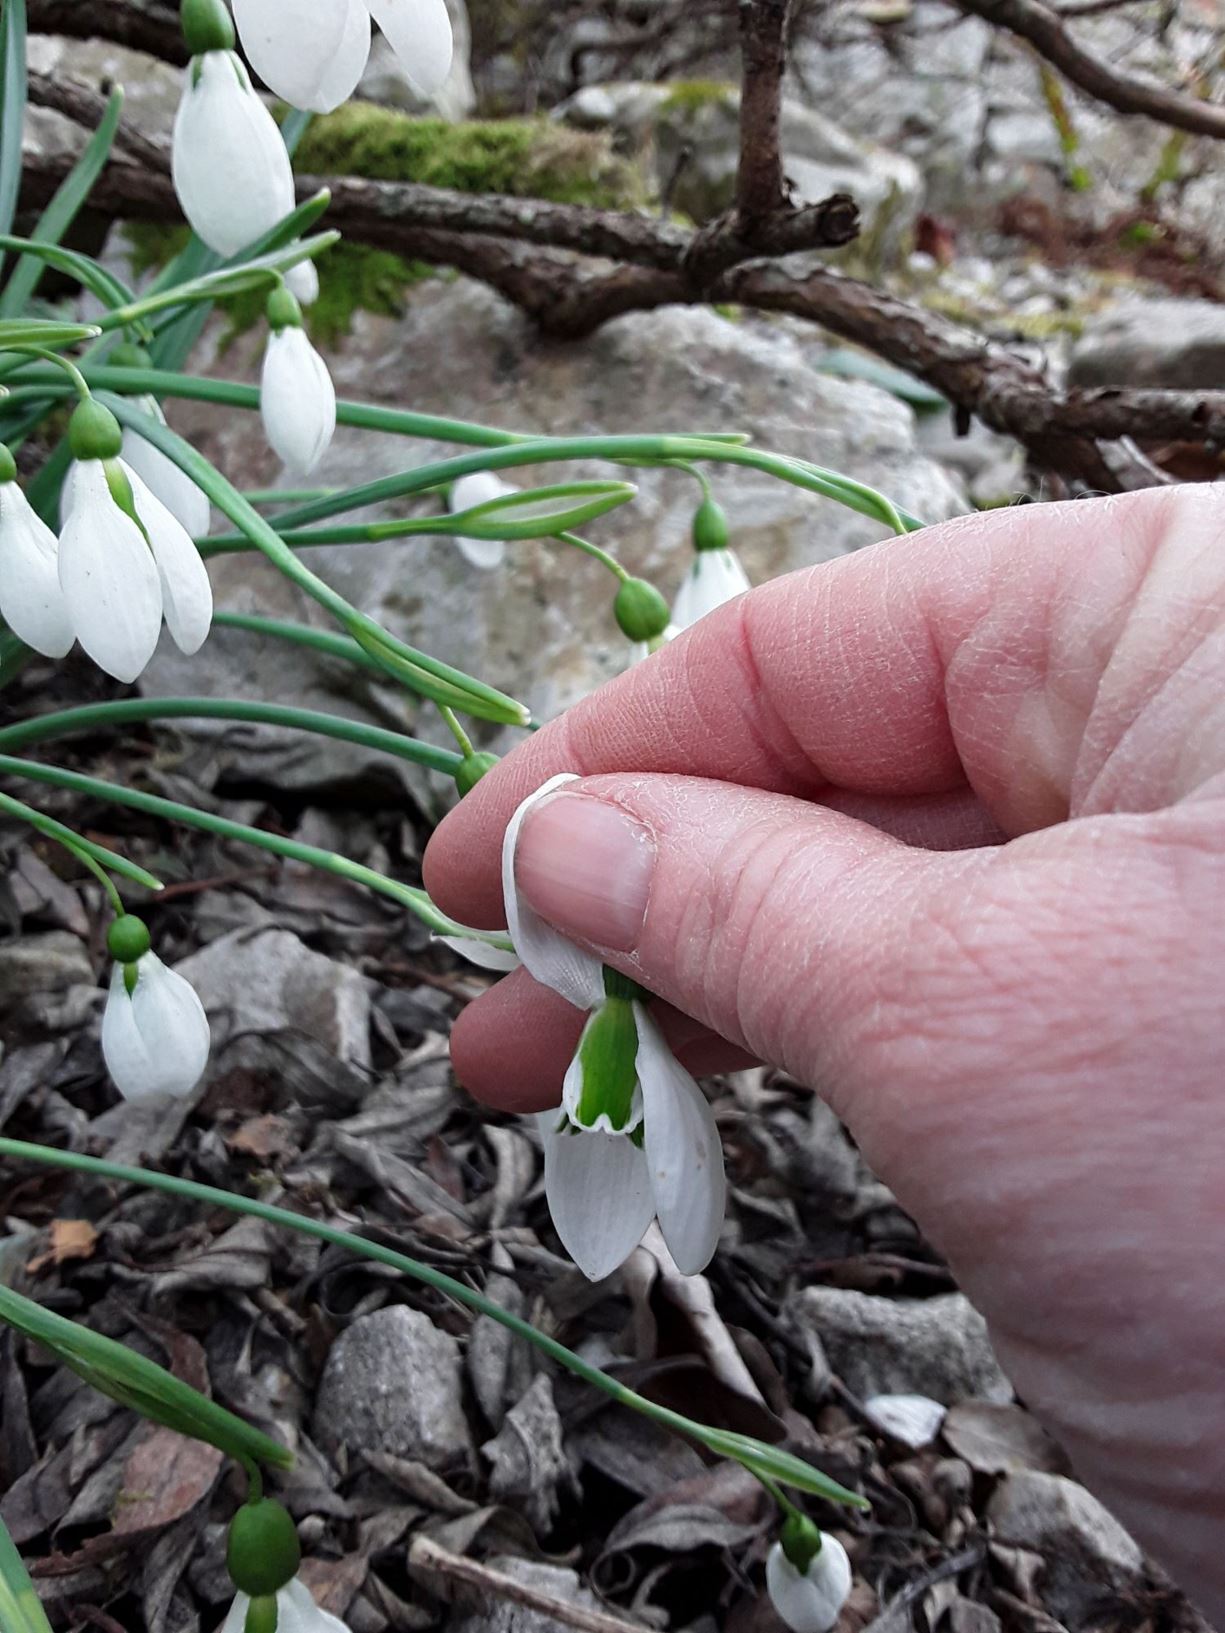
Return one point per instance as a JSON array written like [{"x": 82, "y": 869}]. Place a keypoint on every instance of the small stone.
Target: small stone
[
  {"x": 1087, "y": 1552},
  {"x": 912, "y": 1419},
  {"x": 53, "y": 962},
  {"x": 391, "y": 1384},
  {"x": 1167, "y": 342},
  {"x": 881, "y": 1346}
]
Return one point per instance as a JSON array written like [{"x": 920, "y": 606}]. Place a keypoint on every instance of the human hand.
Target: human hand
[{"x": 938, "y": 827}]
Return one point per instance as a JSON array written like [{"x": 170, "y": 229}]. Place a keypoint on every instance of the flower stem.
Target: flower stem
[
  {"x": 456, "y": 730},
  {"x": 93, "y": 856}
]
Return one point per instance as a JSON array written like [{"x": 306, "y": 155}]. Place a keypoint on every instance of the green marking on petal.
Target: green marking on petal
[{"x": 608, "y": 1055}]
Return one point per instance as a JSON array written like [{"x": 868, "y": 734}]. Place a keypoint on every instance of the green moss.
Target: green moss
[
  {"x": 687, "y": 96},
  {"x": 526, "y": 158}
]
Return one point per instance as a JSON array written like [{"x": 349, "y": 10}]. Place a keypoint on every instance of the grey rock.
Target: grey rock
[
  {"x": 266, "y": 980},
  {"x": 385, "y": 80},
  {"x": 1088, "y": 1554},
  {"x": 391, "y": 1385},
  {"x": 540, "y": 627},
  {"x": 1168, "y": 342},
  {"x": 49, "y": 963},
  {"x": 880, "y": 1346},
  {"x": 504, "y": 1616}
]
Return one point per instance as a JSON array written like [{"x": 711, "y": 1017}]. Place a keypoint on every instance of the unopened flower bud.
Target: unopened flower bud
[
  {"x": 94, "y": 432},
  {"x": 206, "y": 26},
  {"x": 471, "y": 769},
  {"x": 283, "y": 310},
  {"x": 262, "y": 1552},
  {"x": 710, "y": 529},
  {"x": 128, "y": 939},
  {"x": 642, "y": 613}
]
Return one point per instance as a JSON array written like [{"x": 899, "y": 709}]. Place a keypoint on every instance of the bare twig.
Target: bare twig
[
  {"x": 427, "y": 1555},
  {"x": 761, "y": 187},
  {"x": 143, "y": 25}
]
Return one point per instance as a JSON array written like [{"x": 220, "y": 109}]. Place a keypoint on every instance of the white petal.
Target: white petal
[
  {"x": 311, "y": 53},
  {"x": 483, "y": 553},
  {"x": 419, "y": 32},
  {"x": 31, "y": 601},
  {"x": 176, "y": 490},
  {"x": 187, "y": 595},
  {"x": 297, "y": 400},
  {"x": 715, "y": 577},
  {"x": 297, "y": 1612},
  {"x": 231, "y": 171},
  {"x": 478, "y": 488},
  {"x": 236, "y": 1616},
  {"x": 302, "y": 281},
  {"x": 683, "y": 1151},
  {"x": 915, "y": 1420},
  {"x": 548, "y": 956},
  {"x": 172, "y": 1025},
  {"x": 599, "y": 1195},
  {"x": 810, "y": 1602},
  {"x": 108, "y": 575},
  {"x": 481, "y": 953}
]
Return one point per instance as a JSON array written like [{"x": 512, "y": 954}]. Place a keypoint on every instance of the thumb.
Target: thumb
[{"x": 767, "y": 918}]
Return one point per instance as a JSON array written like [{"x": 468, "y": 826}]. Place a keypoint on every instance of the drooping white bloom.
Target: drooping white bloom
[
  {"x": 810, "y": 1601},
  {"x": 296, "y": 399},
  {"x": 231, "y": 171},
  {"x": 479, "y": 488},
  {"x": 120, "y": 576},
  {"x": 296, "y": 1612},
  {"x": 31, "y": 601},
  {"x": 716, "y": 576},
  {"x": 610, "y": 1171},
  {"x": 154, "y": 1039},
  {"x": 187, "y": 503},
  {"x": 313, "y": 52}
]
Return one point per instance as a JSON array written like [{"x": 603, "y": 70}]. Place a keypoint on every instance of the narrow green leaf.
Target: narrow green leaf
[
  {"x": 110, "y": 290},
  {"x": 44, "y": 331},
  {"x": 535, "y": 513},
  {"x": 139, "y": 1383},
  {"x": 59, "y": 215},
  {"x": 225, "y": 280},
  {"x": 12, "y": 106},
  {"x": 21, "y": 1609}
]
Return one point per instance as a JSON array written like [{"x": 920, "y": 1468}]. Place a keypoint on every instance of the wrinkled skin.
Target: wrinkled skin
[{"x": 940, "y": 828}]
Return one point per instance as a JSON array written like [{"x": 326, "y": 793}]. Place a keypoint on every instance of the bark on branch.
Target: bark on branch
[
  {"x": 143, "y": 25},
  {"x": 761, "y": 187}
]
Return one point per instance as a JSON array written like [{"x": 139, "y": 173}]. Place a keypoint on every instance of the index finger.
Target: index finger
[{"x": 918, "y": 666}]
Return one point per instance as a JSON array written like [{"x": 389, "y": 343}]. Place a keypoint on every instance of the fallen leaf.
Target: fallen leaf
[
  {"x": 70, "y": 1239},
  {"x": 164, "y": 1478},
  {"x": 996, "y": 1439},
  {"x": 262, "y": 1137}
]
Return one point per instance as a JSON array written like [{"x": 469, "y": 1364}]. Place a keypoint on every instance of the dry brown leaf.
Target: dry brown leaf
[
  {"x": 262, "y": 1137},
  {"x": 165, "y": 1477},
  {"x": 70, "y": 1239}
]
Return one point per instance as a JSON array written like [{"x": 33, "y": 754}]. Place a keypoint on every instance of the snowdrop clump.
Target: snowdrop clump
[
  {"x": 635, "y": 1138},
  {"x": 125, "y": 561},
  {"x": 155, "y": 1036},
  {"x": 313, "y": 52}
]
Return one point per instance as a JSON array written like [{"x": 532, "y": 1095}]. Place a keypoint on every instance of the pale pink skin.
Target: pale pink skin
[{"x": 1026, "y": 1035}]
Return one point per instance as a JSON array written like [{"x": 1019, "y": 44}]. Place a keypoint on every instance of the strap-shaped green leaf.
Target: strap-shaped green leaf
[
  {"x": 141, "y": 1384},
  {"x": 21, "y": 1609},
  {"x": 12, "y": 106}
]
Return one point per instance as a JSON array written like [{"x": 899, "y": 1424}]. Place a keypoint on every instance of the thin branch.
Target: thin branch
[
  {"x": 761, "y": 187},
  {"x": 143, "y": 25},
  {"x": 1051, "y": 38}
]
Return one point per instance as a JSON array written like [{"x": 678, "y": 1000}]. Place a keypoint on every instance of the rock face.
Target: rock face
[
  {"x": 1088, "y": 1554},
  {"x": 692, "y": 136},
  {"x": 1169, "y": 342},
  {"x": 936, "y": 1347},
  {"x": 541, "y": 626},
  {"x": 391, "y": 1384}
]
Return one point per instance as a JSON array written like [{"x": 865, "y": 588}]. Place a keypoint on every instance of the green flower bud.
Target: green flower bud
[
  {"x": 608, "y": 1055},
  {"x": 8, "y": 465},
  {"x": 282, "y": 310},
  {"x": 471, "y": 769},
  {"x": 93, "y": 432},
  {"x": 801, "y": 1541},
  {"x": 206, "y": 26},
  {"x": 128, "y": 939},
  {"x": 710, "y": 529},
  {"x": 261, "y": 1615},
  {"x": 641, "y": 612},
  {"x": 262, "y": 1553},
  {"x": 128, "y": 356}
]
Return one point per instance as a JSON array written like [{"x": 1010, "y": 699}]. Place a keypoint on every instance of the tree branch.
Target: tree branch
[
  {"x": 761, "y": 187},
  {"x": 1048, "y": 34},
  {"x": 144, "y": 25}
]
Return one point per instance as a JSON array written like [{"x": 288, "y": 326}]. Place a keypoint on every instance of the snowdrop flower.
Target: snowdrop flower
[
  {"x": 187, "y": 503},
  {"x": 31, "y": 601},
  {"x": 479, "y": 488},
  {"x": 313, "y": 52},
  {"x": 155, "y": 1034},
  {"x": 635, "y": 1138},
  {"x": 809, "y": 1599},
  {"x": 231, "y": 170},
  {"x": 124, "y": 561},
  {"x": 262, "y": 1556},
  {"x": 296, "y": 396},
  {"x": 296, "y": 1612},
  {"x": 716, "y": 575}
]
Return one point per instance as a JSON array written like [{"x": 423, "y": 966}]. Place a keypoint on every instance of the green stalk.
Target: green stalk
[
  {"x": 94, "y": 856},
  {"x": 410, "y": 896},
  {"x": 776, "y": 1464},
  {"x": 64, "y": 722}
]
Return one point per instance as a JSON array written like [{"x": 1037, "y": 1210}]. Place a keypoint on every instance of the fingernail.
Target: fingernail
[{"x": 586, "y": 867}]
